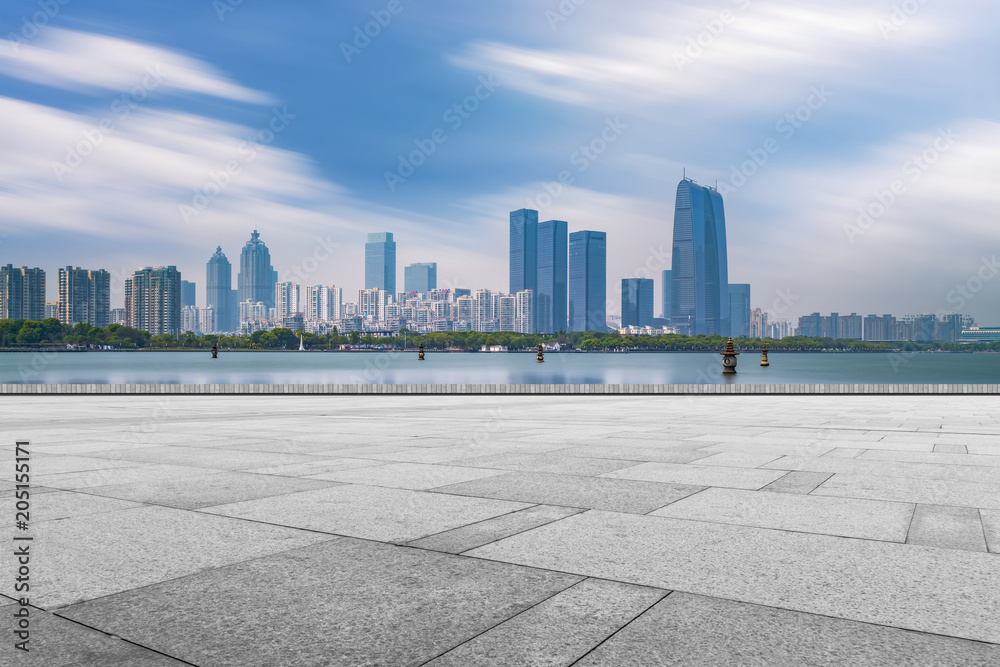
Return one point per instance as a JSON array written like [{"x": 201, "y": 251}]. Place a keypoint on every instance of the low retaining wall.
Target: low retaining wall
[{"x": 489, "y": 389}]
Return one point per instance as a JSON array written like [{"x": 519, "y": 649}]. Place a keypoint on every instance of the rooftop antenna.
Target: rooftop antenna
[{"x": 685, "y": 172}]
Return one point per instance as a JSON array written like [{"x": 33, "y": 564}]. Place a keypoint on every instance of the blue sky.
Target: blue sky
[{"x": 804, "y": 112}]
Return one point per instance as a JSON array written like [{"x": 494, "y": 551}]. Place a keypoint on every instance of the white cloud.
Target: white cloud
[{"x": 86, "y": 61}]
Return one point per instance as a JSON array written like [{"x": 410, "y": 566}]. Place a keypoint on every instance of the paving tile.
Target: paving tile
[
  {"x": 133, "y": 475},
  {"x": 66, "y": 504},
  {"x": 205, "y": 457},
  {"x": 875, "y": 486},
  {"x": 407, "y": 475},
  {"x": 947, "y": 527},
  {"x": 57, "y": 642},
  {"x": 862, "y": 465},
  {"x": 477, "y": 534},
  {"x": 686, "y": 630},
  {"x": 938, "y": 457},
  {"x": 42, "y": 464},
  {"x": 739, "y": 478},
  {"x": 207, "y": 490},
  {"x": 844, "y": 453},
  {"x": 951, "y": 449},
  {"x": 314, "y": 467},
  {"x": 663, "y": 455},
  {"x": 558, "y": 631},
  {"x": 848, "y": 517},
  {"x": 991, "y": 528},
  {"x": 798, "y": 482},
  {"x": 738, "y": 459},
  {"x": 375, "y": 513},
  {"x": 616, "y": 495},
  {"x": 554, "y": 463},
  {"x": 99, "y": 554},
  {"x": 918, "y": 588},
  {"x": 345, "y": 602}
]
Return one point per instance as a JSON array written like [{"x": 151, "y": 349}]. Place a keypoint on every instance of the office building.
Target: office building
[
  {"x": 420, "y": 278},
  {"x": 552, "y": 295},
  {"x": 523, "y": 250},
  {"x": 257, "y": 277},
  {"x": 587, "y": 281},
  {"x": 220, "y": 295},
  {"x": 739, "y": 310},
  {"x": 189, "y": 295},
  {"x": 665, "y": 294},
  {"x": 286, "y": 299},
  {"x": 699, "y": 299},
  {"x": 22, "y": 293},
  {"x": 380, "y": 263},
  {"x": 84, "y": 296},
  {"x": 153, "y": 300},
  {"x": 637, "y": 302}
]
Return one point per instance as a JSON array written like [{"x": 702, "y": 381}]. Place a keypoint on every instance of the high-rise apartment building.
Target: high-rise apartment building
[
  {"x": 372, "y": 303},
  {"x": 523, "y": 250},
  {"x": 22, "y": 293},
  {"x": 380, "y": 262},
  {"x": 420, "y": 277},
  {"x": 322, "y": 302},
  {"x": 286, "y": 299},
  {"x": 665, "y": 294},
  {"x": 52, "y": 310},
  {"x": 637, "y": 302},
  {"x": 759, "y": 327},
  {"x": 739, "y": 310},
  {"x": 699, "y": 265},
  {"x": 525, "y": 317},
  {"x": 552, "y": 295},
  {"x": 257, "y": 277},
  {"x": 84, "y": 296},
  {"x": 153, "y": 300},
  {"x": 588, "y": 281},
  {"x": 190, "y": 319},
  {"x": 220, "y": 295}
]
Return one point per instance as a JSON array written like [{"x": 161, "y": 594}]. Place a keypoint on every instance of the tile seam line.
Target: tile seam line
[
  {"x": 632, "y": 620},
  {"x": 127, "y": 641}
]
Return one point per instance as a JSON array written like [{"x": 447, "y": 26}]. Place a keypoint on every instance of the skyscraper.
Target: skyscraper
[
  {"x": 523, "y": 250},
  {"x": 153, "y": 300},
  {"x": 189, "y": 296},
  {"x": 587, "y": 281},
  {"x": 84, "y": 296},
  {"x": 421, "y": 277},
  {"x": 739, "y": 310},
  {"x": 637, "y": 302},
  {"x": 22, "y": 293},
  {"x": 257, "y": 277},
  {"x": 666, "y": 294},
  {"x": 380, "y": 263},
  {"x": 552, "y": 293},
  {"x": 219, "y": 293},
  {"x": 699, "y": 268}
]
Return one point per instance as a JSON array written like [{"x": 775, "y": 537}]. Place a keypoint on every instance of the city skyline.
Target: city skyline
[{"x": 848, "y": 184}]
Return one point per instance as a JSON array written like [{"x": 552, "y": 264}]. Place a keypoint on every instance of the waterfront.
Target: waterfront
[{"x": 490, "y": 368}]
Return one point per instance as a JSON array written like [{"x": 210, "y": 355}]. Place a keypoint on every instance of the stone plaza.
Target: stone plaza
[{"x": 447, "y": 530}]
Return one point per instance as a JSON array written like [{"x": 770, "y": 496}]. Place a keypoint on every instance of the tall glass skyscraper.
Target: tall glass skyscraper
[
  {"x": 739, "y": 310},
  {"x": 699, "y": 268},
  {"x": 637, "y": 302},
  {"x": 380, "y": 263},
  {"x": 588, "y": 281},
  {"x": 523, "y": 250},
  {"x": 219, "y": 293},
  {"x": 666, "y": 295},
  {"x": 420, "y": 277},
  {"x": 257, "y": 277},
  {"x": 552, "y": 293}
]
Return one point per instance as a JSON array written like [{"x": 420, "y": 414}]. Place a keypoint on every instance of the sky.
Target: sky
[{"x": 856, "y": 143}]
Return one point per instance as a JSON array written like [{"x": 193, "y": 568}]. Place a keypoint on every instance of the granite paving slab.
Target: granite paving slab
[
  {"x": 90, "y": 556},
  {"x": 66, "y": 504},
  {"x": 637, "y": 454},
  {"x": 483, "y": 532},
  {"x": 739, "y": 459},
  {"x": 926, "y": 471},
  {"x": 947, "y": 527},
  {"x": 618, "y": 495},
  {"x": 940, "y": 591},
  {"x": 42, "y": 464},
  {"x": 374, "y": 513},
  {"x": 416, "y": 476},
  {"x": 798, "y": 482},
  {"x": 991, "y": 529},
  {"x": 951, "y": 449},
  {"x": 207, "y": 490},
  {"x": 58, "y": 642},
  {"x": 558, "y": 631},
  {"x": 686, "y": 630},
  {"x": 937, "y": 457},
  {"x": 847, "y": 517},
  {"x": 344, "y": 602},
  {"x": 207, "y": 457},
  {"x": 558, "y": 462},
  {"x": 738, "y": 478},
  {"x": 314, "y": 467},
  {"x": 940, "y": 491},
  {"x": 132, "y": 475},
  {"x": 844, "y": 453}
]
